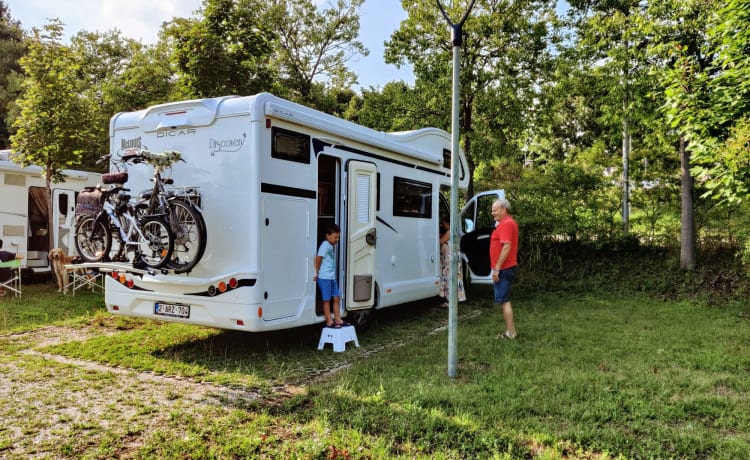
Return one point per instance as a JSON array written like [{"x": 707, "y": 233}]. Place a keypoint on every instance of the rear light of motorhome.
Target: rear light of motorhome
[
  {"x": 130, "y": 283},
  {"x": 116, "y": 307},
  {"x": 240, "y": 322},
  {"x": 268, "y": 123},
  {"x": 260, "y": 312},
  {"x": 115, "y": 275},
  {"x": 223, "y": 286},
  {"x": 122, "y": 278}
]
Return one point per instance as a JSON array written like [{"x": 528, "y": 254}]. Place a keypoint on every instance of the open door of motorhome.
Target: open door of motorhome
[
  {"x": 63, "y": 215},
  {"x": 361, "y": 235},
  {"x": 476, "y": 227}
]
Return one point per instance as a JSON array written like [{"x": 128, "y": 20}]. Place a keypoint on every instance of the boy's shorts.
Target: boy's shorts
[
  {"x": 328, "y": 289},
  {"x": 502, "y": 287}
]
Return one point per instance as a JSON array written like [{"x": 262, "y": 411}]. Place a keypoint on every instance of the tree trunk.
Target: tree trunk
[{"x": 687, "y": 217}]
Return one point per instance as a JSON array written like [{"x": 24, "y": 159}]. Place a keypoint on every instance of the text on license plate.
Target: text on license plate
[{"x": 172, "y": 309}]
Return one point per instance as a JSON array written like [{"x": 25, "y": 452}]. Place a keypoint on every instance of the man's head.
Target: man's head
[{"x": 500, "y": 208}]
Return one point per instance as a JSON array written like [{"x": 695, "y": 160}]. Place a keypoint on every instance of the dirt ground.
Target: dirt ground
[{"x": 54, "y": 407}]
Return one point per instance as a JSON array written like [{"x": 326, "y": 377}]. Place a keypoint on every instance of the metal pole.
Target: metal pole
[{"x": 457, "y": 40}]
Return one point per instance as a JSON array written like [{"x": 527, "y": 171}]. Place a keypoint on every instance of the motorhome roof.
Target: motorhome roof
[
  {"x": 202, "y": 112},
  {"x": 7, "y": 164}
]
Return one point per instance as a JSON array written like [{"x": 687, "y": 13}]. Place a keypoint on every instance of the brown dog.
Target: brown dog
[{"x": 58, "y": 259}]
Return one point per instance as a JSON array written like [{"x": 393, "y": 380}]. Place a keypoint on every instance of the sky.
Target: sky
[{"x": 141, "y": 20}]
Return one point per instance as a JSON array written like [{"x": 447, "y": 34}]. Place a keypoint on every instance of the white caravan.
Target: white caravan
[
  {"x": 272, "y": 174},
  {"x": 23, "y": 211}
]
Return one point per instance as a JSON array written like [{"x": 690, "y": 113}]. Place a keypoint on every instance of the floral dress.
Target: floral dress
[{"x": 445, "y": 281}]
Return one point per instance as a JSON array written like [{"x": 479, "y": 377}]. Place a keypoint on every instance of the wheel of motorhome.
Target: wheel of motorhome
[
  {"x": 155, "y": 242},
  {"x": 93, "y": 239},
  {"x": 189, "y": 230}
]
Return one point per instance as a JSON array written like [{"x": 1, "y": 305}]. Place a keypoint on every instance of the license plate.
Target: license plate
[{"x": 172, "y": 309}]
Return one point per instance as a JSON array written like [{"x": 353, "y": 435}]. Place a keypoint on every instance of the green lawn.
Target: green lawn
[{"x": 588, "y": 377}]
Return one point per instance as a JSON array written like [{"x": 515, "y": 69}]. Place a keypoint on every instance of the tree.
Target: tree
[
  {"x": 683, "y": 50},
  {"x": 288, "y": 47},
  {"x": 504, "y": 56},
  {"x": 228, "y": 51},
  {"x": 118, "y": 74},
  {"x": 313, "y": 46},
  {"x": 721, "y": 134},
  {"x": 11, "y": 50},
  {"x": 53, "y": 126}
]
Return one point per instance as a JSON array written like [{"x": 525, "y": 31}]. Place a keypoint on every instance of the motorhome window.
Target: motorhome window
[
  {"x": 377, "y": 198},
  {"x": 446, "y": 158},
  {"x": 412, "y": 198},
  {"x": 484, "y": 211},
  {"x": 291, "y": 146},
  {"x": 15, "y": 179},
  {"x": 62, "y": 205}
]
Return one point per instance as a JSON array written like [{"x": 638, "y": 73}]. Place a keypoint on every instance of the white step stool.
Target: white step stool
[{"x": 338, "y": 337}]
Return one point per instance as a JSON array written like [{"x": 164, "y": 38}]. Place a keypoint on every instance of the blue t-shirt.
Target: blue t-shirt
[{"x": 327, "y": 269}]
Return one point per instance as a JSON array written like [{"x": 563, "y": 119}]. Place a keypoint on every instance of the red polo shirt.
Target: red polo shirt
[{"x": 506, "y": 232}]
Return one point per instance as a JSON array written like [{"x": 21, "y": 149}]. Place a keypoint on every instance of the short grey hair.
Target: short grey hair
[{"x": 503, "y": 203}]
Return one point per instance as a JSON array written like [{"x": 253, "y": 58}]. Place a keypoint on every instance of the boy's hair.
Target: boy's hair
[{"x": 332, "y": 228}]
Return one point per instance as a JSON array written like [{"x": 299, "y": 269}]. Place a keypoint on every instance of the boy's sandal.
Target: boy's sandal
[
  {"x": 505, "y": 336},
  {"x": 330, "y": 324},
  {"x": 341, "y": 324}
]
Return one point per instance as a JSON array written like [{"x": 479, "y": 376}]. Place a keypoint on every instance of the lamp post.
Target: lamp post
[{"x": 457, "y": 40}]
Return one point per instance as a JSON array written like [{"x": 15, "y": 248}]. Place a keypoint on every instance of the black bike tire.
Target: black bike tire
[
  {"x": 197, "y": 216},
  {"x": 81, "y": 233},
  {"x": 164, "y": 258}
]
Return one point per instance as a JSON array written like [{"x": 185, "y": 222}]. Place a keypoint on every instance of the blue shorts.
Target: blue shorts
[
  {"x": 328, "y": 289},
  {"x": 502, "y": 287}
]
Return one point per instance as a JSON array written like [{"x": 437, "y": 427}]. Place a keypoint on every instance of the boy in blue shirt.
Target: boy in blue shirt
[{"x": 325, "y": 275}]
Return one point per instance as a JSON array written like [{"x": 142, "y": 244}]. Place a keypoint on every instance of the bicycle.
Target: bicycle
[
  {"x": 147, "y": 237},
  {"x": 180, "y": 207}
]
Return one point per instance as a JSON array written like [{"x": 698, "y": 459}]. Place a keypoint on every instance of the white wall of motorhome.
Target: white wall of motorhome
[
  {"x": 23, "y": 212},
  {"x": 262, "y": 212}
]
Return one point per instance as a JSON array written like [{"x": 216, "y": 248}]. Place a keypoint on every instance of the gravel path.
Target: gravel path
[{"x": 52, "y": 406}]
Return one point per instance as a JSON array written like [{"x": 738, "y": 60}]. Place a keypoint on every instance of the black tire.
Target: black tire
[
  {"x": 93, "y": 239},
  {"x": 156, "y": 246},
  {"x": 363, "y": 319},
  {"x": 189, "y": 230}
]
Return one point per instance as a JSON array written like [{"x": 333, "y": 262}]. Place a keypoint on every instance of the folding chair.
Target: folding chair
[
  {"x": 92, "y": 279},
  {"x": 14, "y": 283}
]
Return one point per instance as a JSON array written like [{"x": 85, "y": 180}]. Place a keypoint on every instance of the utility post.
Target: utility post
[{"x": 457, "y": 40}]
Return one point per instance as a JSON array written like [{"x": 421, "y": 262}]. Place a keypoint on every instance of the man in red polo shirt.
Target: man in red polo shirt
[{"x": 503, "y": 250}]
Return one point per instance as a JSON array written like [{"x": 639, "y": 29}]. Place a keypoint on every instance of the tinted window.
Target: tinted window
[
  {"x": 412, "y": 198},
  {"x": 288, "y": 145}
]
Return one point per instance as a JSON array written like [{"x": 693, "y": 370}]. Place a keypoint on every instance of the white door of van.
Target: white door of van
[
  {"x": 63, "y": 215},
  {"x": 474, "y": 232},
  {"x": 361, "y": 235}
]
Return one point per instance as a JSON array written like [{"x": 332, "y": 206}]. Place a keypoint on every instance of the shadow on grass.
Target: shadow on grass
[{"x": 241, "y": 358}]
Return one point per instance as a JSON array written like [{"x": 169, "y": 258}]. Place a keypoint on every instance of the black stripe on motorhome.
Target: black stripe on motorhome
[
  {"x": 288, "y": 191},
  {"x": 385, "y": 223},
  {"x": 319, "y": 145}
]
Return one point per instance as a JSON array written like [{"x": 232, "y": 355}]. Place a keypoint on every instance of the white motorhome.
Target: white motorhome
[
  {"x": 23, "y": 211},
  {"x": 272, "y": 174}
]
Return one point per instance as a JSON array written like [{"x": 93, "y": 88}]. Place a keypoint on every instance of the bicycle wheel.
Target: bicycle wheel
[
  {"x": 156, "y": 244},
  {"x": 189, "y": 230},
  {"x": 93, "y": 239}
]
